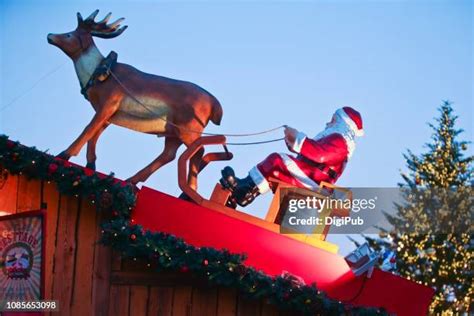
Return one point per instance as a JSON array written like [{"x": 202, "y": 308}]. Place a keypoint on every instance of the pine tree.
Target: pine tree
[{"x": 432, "y": 232}]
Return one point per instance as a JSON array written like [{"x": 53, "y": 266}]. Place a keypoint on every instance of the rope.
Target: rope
[
  {"x": 31, "y": 87},
  {"x": 256, "y": 143},
  {"x": 130, "y": 94}
]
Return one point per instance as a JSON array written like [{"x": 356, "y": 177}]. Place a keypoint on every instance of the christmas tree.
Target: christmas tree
[{"x": 432, "y": 242}]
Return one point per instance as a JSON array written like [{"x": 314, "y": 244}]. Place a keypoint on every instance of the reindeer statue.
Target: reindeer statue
[{"x": 125, "y": 96}]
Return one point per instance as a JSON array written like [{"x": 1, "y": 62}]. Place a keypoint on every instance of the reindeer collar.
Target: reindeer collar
[{"x": 101, "y": 73}]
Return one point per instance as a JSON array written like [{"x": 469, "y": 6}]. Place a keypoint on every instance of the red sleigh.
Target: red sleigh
[{"x": 208, "y": 222}]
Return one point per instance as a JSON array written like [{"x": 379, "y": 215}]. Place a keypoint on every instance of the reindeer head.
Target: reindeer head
[{"x": 77, "y": 41}]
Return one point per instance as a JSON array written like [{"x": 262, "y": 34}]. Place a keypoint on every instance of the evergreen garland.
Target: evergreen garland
[{"x": 166, "y": 251}]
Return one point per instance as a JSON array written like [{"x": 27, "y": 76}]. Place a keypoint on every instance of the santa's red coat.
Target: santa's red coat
[{"x": 318, "y": 160}]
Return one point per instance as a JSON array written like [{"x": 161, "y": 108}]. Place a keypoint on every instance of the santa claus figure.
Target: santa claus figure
[{"x": 322, "y": 158}]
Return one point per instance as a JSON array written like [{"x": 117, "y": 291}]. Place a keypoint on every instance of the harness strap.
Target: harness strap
[{"x": 101, "y": 73}]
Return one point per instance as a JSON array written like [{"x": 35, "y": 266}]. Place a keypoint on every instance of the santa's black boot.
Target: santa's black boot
[
  {"x": 228, "y": 180},
  {"x": 244, "y": 191}
]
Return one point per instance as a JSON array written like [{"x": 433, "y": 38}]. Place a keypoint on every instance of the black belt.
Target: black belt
[{"x": 325, "y": 169}]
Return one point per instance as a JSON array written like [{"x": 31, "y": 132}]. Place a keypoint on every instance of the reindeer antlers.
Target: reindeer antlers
[{"x": 101, "y": 28}]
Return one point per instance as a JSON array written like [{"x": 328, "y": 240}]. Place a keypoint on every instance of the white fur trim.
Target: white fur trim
[
  {"x": 297, "y": 173},
  {"x": 300, "y": 138},
  {"x": 358, "y": 132},
  {"x": 259, "y": 179},
  {"x": 86, "y": 64}
]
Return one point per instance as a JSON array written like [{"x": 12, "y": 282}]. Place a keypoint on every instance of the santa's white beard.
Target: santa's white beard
[{"x": 340, "y": 127}]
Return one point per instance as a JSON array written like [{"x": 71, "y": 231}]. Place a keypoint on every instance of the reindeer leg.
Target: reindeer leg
[
  {"x": 169, "y": 153},
  {"x": 91, "y": 156},
  {"x": 97, "y": 122}
]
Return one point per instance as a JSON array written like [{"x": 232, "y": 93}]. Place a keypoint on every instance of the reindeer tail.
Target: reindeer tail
[{"x": 216, "y": 113}]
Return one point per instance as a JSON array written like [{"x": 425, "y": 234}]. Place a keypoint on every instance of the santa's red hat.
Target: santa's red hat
[{"x": 352, "y": 118}]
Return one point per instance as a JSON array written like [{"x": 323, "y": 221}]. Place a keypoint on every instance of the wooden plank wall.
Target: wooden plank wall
[
  {"x": 88, "y": 279},
  {"x": 77, "y": 269},
  {"x": 135, "y": 287}
]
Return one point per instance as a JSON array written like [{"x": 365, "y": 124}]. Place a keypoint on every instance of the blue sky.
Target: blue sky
[{"x": 269, "y": 63}]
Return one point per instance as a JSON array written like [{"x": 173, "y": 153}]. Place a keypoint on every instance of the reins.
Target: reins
[{"x": 130, "y": 94}]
